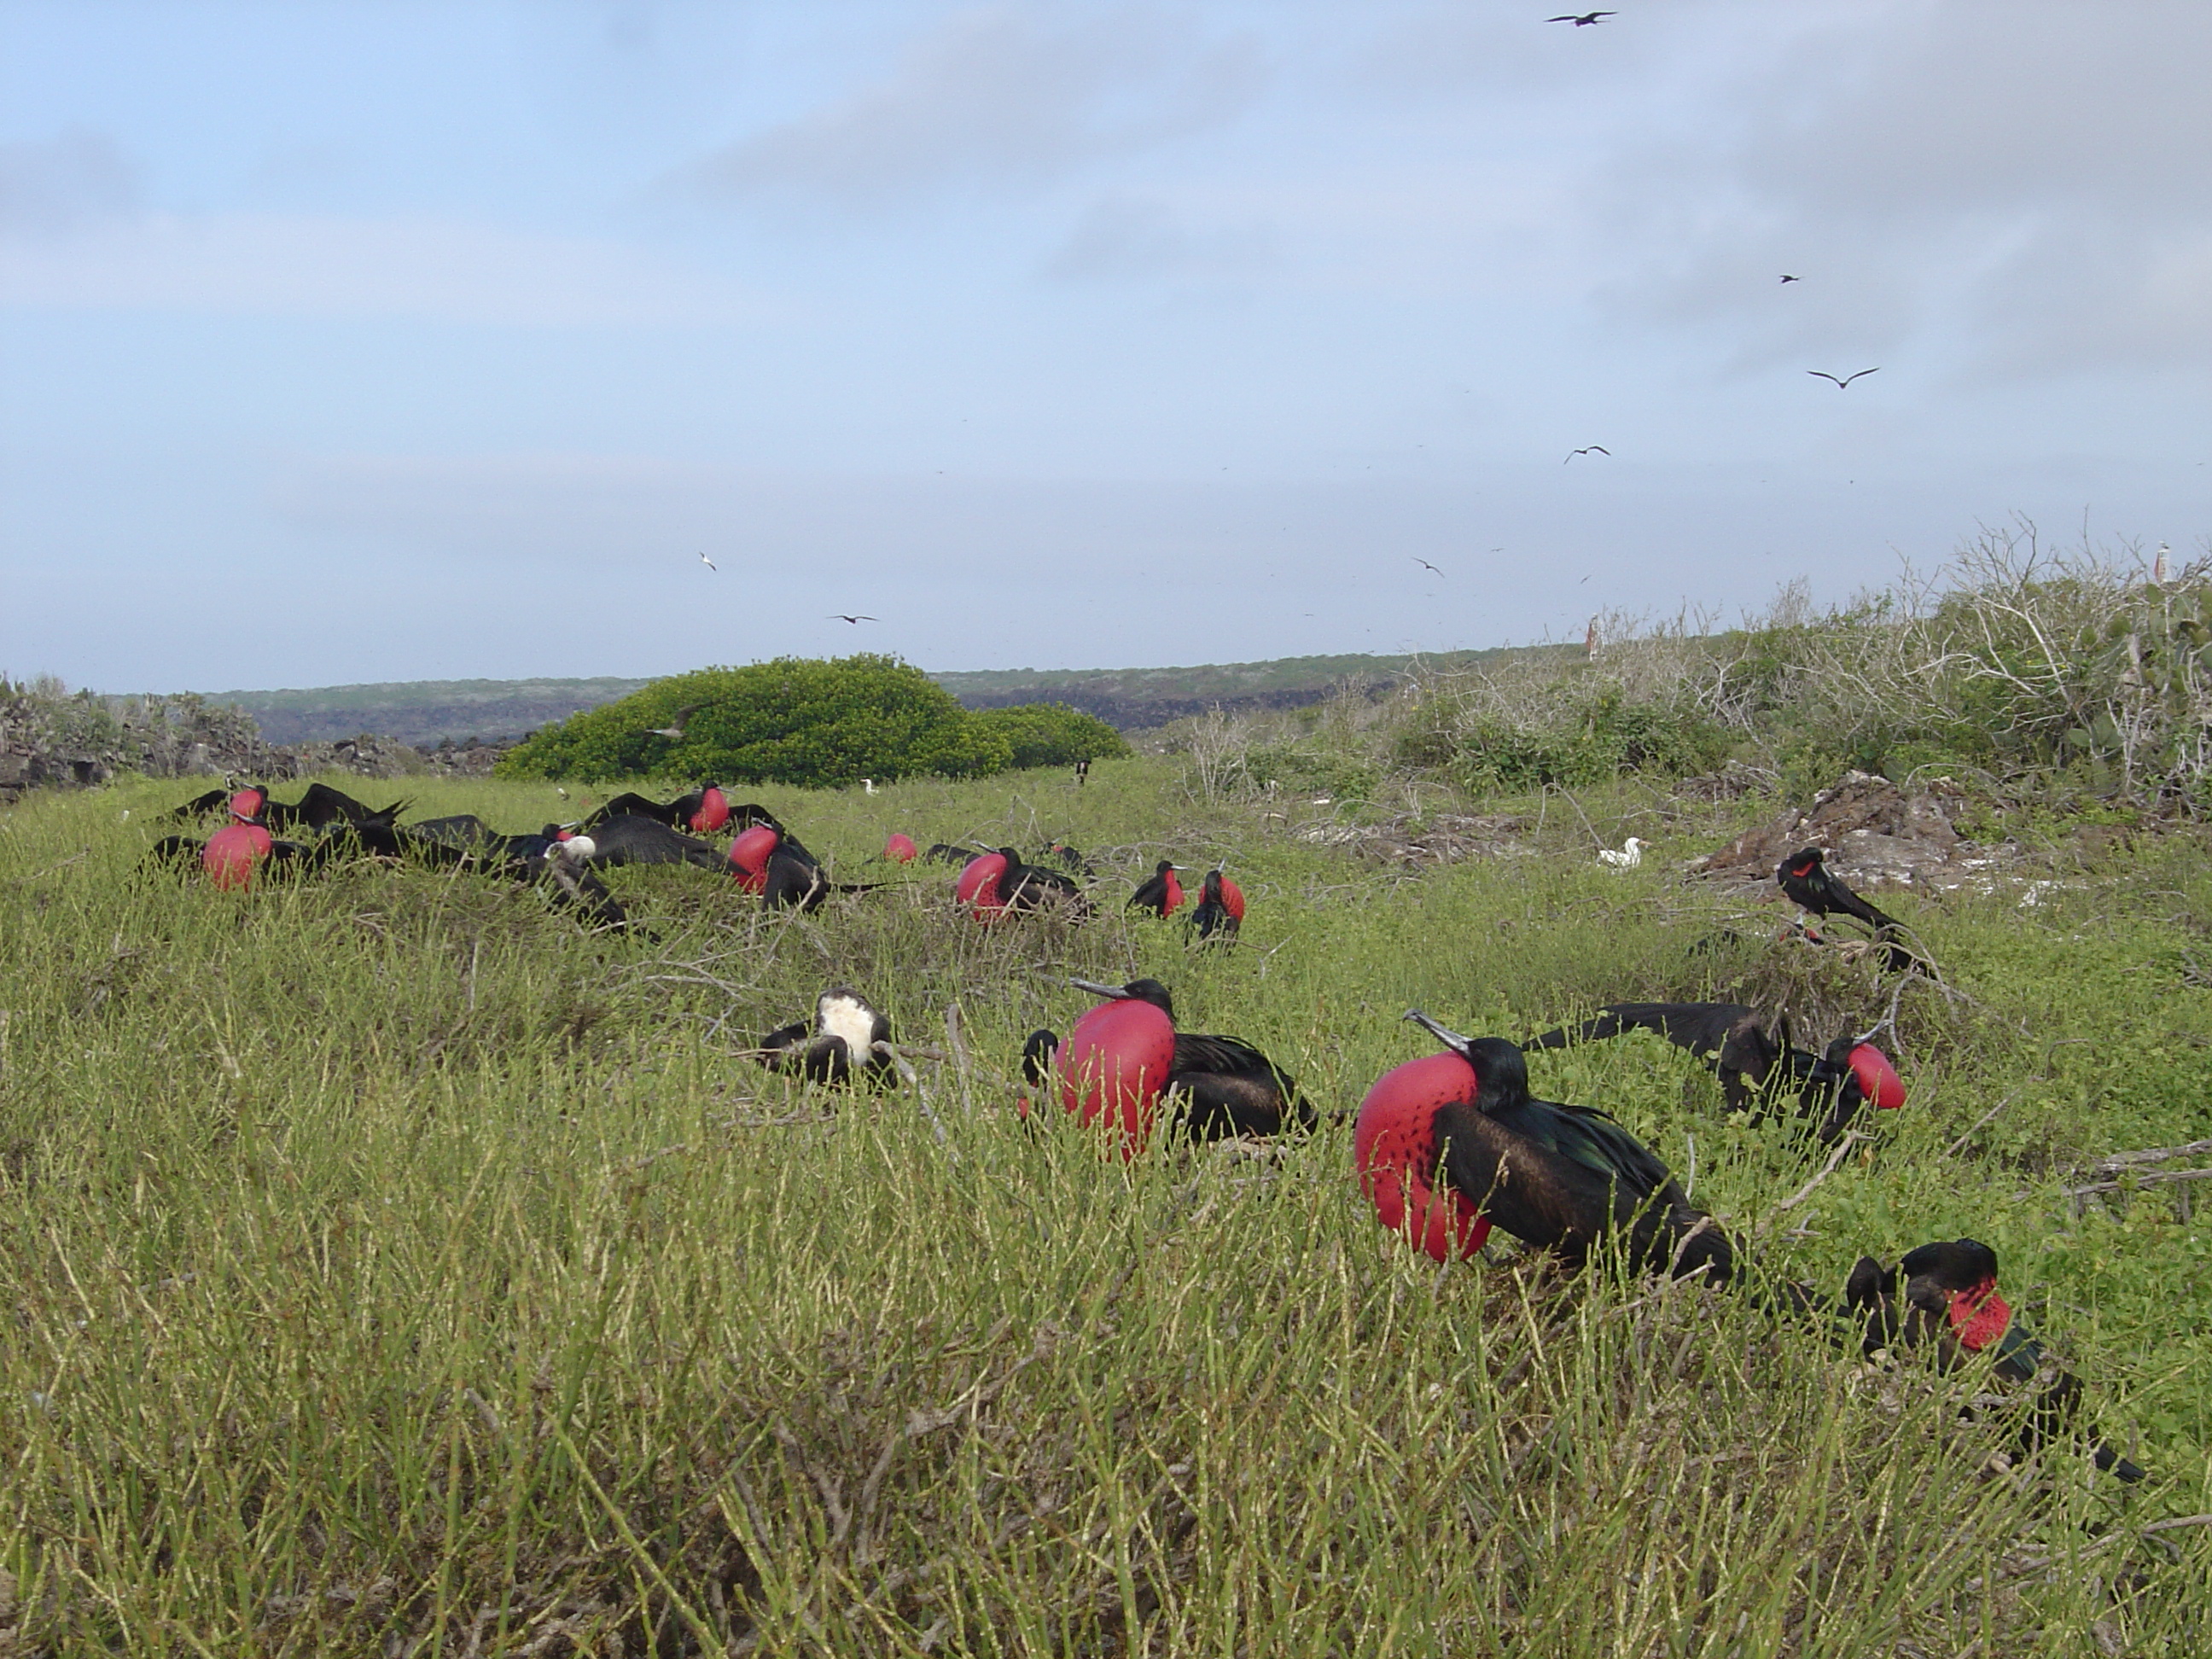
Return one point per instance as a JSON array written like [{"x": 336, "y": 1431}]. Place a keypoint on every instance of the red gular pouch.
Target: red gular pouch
[
  {"x": 978, "y": 889},
  {"x": 1232, "y": 899},
  {"x": 1979, "y": 1316},
  {"x": 713, "y": 810},
  {"x": 1878, "y": 1079},
  {"x": 748, "y": 856},
  {"x": 900, "y": 849},
  {"x": 232, "y": 853},
  {"x": 1394, "y": 1147},
  {"x": 1174, "y": 895},
  {"x": 249, "y": 804},
  {"x": 1112, "y": 1068}
]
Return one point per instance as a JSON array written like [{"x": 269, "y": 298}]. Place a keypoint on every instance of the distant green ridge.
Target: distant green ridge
[{"x": 431, "y": 711}]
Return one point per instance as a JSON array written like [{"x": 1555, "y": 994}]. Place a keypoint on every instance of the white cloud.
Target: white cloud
[
  {"x": 1007, "y": 95},
  {"x": 325, "y": 267}
]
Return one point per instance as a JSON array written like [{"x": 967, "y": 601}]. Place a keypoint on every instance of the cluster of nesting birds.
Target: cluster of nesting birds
[{"x": 1446, "y": 1147}]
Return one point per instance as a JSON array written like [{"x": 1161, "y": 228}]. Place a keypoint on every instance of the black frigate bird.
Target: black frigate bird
[
  {"x": 1941, "y": 1300},
  {"x": 1753, "y": 1058},
  {"x": 1161, "y": 893},
  {"x": 628, "y": 838},
  {"x": 1563, "y": 1178},
  {"x": 318, "y": 807},
  {"x": 703, "y": 812},
  {"x": 847, "y": 1036},
  {"x": 1806, "y": 882},
  {"x": 1217, "y": 1086}
]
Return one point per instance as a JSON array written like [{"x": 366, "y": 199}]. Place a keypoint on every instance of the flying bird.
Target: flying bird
[
  {"x": 1822, "y": 373},
  {"x": 709, "y": 563},
  {"x": 1425, "y": 565},
  {"x": 674, "y": 729},
  {"x": 841, "y": 616},
  {"x": 1584, "y": 20},
  {"x": 1792, "y": 279},
  {"x": 1592, "y": 449}
]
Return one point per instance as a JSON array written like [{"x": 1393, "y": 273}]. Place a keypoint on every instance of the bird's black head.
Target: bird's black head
[
  {"x": 1211, "y": 892},
  {"x": 1137, "y": 990},
  {"x": 1501, "y": 1070},
  {"x": 1801, "y": 864},
  {"x": 1037, "y": 1051},
  {"x": 1960, "y": 1264},
  {"x": 1161, "y": 867}
]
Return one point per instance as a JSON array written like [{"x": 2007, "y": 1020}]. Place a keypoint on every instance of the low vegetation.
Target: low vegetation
[
  {"x": 2068, "y": 675},
  {"x": 393, "y": 1266}
]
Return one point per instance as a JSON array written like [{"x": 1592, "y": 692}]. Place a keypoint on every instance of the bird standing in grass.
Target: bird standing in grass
[
  {"x": 1212, "y": 1087},
  {"x": 1560, "y": 1178},
  {"x": 1948, "y": 1305},
  {"x": 235, "y": 851},
  {"x": 1162, "y": 895},
  {"x": 1629, "y": 855},
  {"x": 847, "y": 1036},
  {"x": 1220, "y": 911}
]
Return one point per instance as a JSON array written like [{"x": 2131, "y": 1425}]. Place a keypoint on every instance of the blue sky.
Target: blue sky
[{"x": 388, "y": 341}]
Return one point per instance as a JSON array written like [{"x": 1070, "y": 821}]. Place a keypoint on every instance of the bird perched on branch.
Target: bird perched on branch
[{"x": 1806, "y": 882}]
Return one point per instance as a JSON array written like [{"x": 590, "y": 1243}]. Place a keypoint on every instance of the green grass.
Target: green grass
[{"x": 393, "y": 1266}]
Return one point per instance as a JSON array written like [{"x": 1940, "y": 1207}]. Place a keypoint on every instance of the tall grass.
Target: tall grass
[{"x": 394, "y": 1268}]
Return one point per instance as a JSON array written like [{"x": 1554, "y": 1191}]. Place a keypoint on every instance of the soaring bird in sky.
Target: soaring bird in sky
[
  {"x": 1425, "y": 565},
  {"x": 709, "y": 563},
  {"x": 842, "y": 618},
  {"x": 1583, "y": 19},
  {"x": 1590, "y": 449},
  {"x": 1822, "y": 373},
  {"x": 1788, "y": 278}
]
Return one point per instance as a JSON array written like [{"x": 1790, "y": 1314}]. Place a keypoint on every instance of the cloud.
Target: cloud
[
  {"x": 55, "y": 187},
  {"x": 2029, "y": 175},
  {"x": 1004, "y": 96},
  {"x": 1122, "y": 238},
  {"x": 326, "y": 266}
]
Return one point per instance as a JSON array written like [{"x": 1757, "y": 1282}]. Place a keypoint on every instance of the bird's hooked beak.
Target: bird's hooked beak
[
  {"x": 1097, "y": 990},
  {"x": 1443, "y": 1034}
]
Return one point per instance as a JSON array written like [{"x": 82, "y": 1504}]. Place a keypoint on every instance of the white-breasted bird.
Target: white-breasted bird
[{"x": 1629, "y": 855}]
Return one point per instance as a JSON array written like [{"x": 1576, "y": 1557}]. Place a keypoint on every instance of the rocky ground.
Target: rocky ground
[{"x": 76, "y": 742}]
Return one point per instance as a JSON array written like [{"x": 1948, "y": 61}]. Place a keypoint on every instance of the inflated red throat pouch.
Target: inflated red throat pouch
[{"x": 1979, "y": 1316}]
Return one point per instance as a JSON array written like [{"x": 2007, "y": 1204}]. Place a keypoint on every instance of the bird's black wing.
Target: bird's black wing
[
  {"x": 629, "y": 839},
  {"x": 632, "y": 805},
  {"x": 1151, "y": 896},
  {"x": 1699, "y": 1027},
  {"x": 198, "y": 803}
]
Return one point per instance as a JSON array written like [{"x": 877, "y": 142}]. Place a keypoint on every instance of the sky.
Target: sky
[{"x": 345, "y": 342}]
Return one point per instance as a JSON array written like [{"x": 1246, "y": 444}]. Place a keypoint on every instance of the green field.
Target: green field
[{"x": 393, "y": 1267}]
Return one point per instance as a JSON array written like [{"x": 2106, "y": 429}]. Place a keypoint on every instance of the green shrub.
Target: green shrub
[
  {"x": 1052, "y": 734},
  {"x": 1584, "y": 743},
  {"x": 798, "y": 721}
]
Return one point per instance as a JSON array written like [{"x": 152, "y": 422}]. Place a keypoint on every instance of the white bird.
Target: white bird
[
  {"x": 709, "y": 563},
  {"x": 1629, "y": 855},
  {"x": 868, "y": 785},
  {"x": 2159, "y": 572}
]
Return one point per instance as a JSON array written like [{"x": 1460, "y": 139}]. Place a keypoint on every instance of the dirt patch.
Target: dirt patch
[{"x": 1875, "y": 836}]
